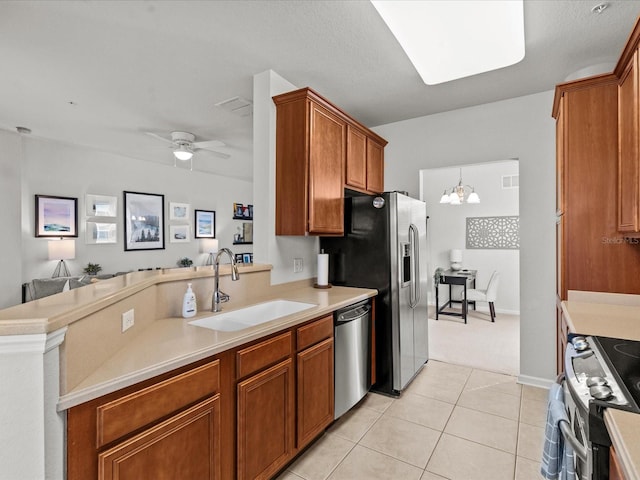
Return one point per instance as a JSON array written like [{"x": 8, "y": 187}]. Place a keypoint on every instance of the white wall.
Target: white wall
[
  {"x": 517, "y": 128},
  {"x": 447, "y": 226},
  {"x": 10, "y": 218},
  {"x": 52, "y": 168},
  {"x": 278, "y": 251}
]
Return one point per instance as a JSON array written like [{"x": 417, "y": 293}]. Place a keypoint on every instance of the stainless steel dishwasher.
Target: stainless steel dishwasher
[{"x": 352, "y": 340}]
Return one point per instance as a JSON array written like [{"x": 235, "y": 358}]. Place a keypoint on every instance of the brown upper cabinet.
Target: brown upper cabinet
[
  {"x": 365, "y": 162},
  {"x": 628, "y": 151},
  {"x": 320, "y": 150}
]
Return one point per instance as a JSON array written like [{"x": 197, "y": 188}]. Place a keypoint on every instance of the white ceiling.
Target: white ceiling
[{"x": 101, "y": 73}]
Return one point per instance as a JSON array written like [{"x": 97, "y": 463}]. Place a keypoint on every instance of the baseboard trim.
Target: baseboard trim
[{"x": 535, "y": 381}]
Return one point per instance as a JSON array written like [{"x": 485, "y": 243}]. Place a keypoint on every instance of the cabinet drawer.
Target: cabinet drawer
[
  {"x": 263, "y": 354},
  {"x": 315, "y": 332},
  {"x": 127, "y": 414}
]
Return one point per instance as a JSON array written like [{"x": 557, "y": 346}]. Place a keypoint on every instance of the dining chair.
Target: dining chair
[{"x": 489, "y": 295}]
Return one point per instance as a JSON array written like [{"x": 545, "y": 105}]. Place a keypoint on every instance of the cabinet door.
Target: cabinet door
[
  {"x": 615, "y": 471},
  {"x": 265, "y": 419},
  {"x": 562, "y": 331},
  {"x": 375, "y": 166},
  {"x": 356, "y": 175},
  {"x": 628, "y": 170},
  {"x": 327, "y": 148},
  {"x": 560, "y": 159},
  {"x": 315, "y": 391},
  {"x": 184, "y": 447}
]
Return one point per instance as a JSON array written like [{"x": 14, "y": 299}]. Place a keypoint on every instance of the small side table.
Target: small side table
[{"x": 465, "y": 278}]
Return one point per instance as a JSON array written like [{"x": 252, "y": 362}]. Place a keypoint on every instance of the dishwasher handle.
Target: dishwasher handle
[{"x": 351, "y": 315}]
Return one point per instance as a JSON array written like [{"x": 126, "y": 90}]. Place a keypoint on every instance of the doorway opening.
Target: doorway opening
[{"x": 483, "y": 233}]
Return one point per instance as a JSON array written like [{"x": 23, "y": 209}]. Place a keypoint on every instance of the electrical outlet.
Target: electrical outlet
[
  {"x": 297, "y": 265},
  {"x": 128, "y": 319}
]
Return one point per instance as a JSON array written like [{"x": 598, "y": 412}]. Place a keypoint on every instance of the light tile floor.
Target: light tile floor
[{"x": 453, "y": 422}]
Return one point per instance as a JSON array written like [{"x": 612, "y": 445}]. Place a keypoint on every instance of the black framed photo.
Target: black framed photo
[
  {"x": 239, "y": 257},
  {"x": 205, "y": 224},
  {"x": 56, "y": 216},
  {"x": 247, "y": 258},
  {"x": 143, "y": 221},
  {"x": 238, "y": 210}
]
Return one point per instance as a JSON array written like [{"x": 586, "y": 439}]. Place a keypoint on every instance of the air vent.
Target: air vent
[
  {"x": 237, "y": 105},
  {"x": 510, "y": 181}
]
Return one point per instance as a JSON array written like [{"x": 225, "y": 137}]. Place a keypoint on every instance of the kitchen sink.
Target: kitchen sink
[{"x": 251, "y": 316}]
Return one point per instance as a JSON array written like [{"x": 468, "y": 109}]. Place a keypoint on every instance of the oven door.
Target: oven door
[{"x": 576, "y": 433}]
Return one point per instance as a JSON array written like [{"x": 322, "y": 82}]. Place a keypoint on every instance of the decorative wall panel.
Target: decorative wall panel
[{"x": 501, "y": 233}]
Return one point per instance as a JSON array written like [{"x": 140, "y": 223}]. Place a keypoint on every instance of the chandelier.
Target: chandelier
[{"x": 460, "y": 193}]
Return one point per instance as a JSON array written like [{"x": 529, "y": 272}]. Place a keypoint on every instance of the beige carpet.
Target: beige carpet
[{"x": 478, "y": 344}]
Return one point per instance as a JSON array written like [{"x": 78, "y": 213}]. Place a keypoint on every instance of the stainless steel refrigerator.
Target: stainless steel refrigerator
[{"x": 384, "y": 247}]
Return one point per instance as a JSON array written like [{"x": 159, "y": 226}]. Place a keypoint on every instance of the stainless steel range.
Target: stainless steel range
[{"x": 600, "y": 373}]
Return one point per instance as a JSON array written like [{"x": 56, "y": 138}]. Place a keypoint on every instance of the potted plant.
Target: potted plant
[
  {"x": 436, "y": 276},
  {"x": 185, "y": 262},
  {"x": 92, "y": 268}
]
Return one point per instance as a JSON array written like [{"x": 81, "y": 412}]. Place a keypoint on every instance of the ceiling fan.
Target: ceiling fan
[{"x": 184, "y": 146}]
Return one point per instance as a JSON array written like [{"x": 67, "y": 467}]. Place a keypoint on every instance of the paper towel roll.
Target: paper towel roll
[{"x": 323, "y": 269}]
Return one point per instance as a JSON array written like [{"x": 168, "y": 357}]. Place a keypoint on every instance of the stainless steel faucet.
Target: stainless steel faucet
[{"x": 218, "y": 295}]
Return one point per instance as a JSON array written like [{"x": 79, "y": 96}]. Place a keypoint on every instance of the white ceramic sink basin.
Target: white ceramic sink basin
[{"x": 252, "y": 315}]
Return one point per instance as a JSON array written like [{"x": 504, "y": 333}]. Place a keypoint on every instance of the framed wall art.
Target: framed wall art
[
  {"x": 179, "y": 233},
  {"x": 143, "y": 221},
  {"x": 100, "y": 205},
  {"x": 56, "y": 216},
  {"x": 100, "y": 233},
  {"x": 179, "y": 211},
  {"x": 205, "y": 224}
]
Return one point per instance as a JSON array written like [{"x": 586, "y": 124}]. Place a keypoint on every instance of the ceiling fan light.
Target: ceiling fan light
[{"x": 183, "y": 153}]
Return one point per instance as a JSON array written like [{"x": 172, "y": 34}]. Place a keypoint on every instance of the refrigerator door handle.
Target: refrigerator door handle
[{"x": 415, "y": 266}]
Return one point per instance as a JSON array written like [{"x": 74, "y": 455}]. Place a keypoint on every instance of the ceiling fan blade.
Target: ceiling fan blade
[
  {"x": 208, "y": 144},
  {"x": 217, "y": 154},
  {"x": 154, "y": 135}
]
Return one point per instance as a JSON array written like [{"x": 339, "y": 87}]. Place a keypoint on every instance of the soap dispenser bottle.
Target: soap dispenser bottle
[{"x": 189, "y": 307}]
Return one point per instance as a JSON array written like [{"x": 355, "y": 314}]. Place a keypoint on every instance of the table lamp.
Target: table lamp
[
  {"x": 456, "y": 258},
  {"x": 210, "y": 246},
  {"x": 62, "y": 250}
]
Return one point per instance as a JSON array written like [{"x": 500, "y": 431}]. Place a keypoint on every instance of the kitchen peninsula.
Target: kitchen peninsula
[{"x": 63, "y": 351}]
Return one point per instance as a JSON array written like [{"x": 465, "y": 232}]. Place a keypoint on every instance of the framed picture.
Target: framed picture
[
  {"x": 143, "y": 221},
  {"x": 247, "y": 258},
  {"x": 238, "y": 210},
  {"x": 239, "y": 258},
  {"x": 100, "y": 233},
  {"x": 205, "y": 224},
  {"x": 100, "y": 205},
  {"x": 179, "y": 211},
  {"x": 179, "y": 233},
  {"x": 56, "y": 216}
]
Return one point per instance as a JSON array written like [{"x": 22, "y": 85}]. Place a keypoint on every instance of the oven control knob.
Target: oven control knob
[
  {"x": 594, "y": 381},
  {"x": 579, "y": 343},
  {"x": 601, "y": 392}
]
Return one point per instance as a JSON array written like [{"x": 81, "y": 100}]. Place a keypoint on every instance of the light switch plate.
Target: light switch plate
[
  {"x": 128, "y": 319},
  {"x": 297, "y": 265}
]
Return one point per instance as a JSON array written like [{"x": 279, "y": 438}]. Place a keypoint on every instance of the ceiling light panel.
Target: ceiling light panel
[{"x": 446, "y": 40}]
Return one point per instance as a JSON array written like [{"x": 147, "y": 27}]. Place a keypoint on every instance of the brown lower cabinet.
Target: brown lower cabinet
[
  {"x": 245, "y": 413},
  {"x": 615, "y": 472},
  {"x": 184, "y": 447}
]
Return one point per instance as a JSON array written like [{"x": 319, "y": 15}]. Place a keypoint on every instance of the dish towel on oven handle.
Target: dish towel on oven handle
[{"x": 557, "y": 455}]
